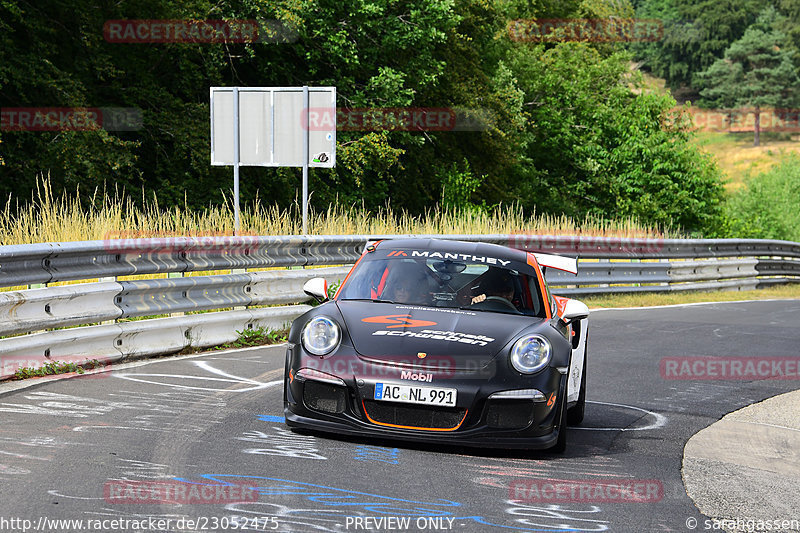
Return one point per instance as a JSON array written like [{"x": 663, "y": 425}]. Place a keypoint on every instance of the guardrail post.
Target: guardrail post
[
  {"x": 176, "y": 275},
  {"x": 604, "y": 261},
  {"x": 114, "y": 279},
  {"x": 665, "y": 260},
  {"x": 239, "y": 271}
]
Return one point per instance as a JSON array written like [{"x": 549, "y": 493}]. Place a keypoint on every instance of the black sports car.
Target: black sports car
[{"x": 441, "y": 341}]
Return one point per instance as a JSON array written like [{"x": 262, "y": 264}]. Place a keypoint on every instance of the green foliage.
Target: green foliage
[
  {"x": 790, "y": 23},
  {"x": 563, "y": 129},
  {"x": 619, "y": 151},
  {"x": 55, "y": 367},
  {"x": 255, "y": 337},
  {"x": 333, "y": 287},
  {"x": 696, "y": 32},
  {"x": 766, "y": 208},
  {"x": 459, "y": 186},
  {"x": 757, "y": 71},
  {"x": 366, "y": 171}
]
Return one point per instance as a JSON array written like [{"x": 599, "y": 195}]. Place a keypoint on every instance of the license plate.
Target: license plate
[{"x": 392, "y": 392}]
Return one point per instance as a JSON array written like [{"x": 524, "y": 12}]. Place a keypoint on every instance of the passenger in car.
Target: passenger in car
[{"x": 408, "y": 285}]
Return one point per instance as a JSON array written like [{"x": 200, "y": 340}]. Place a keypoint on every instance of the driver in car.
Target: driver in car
[{"x": 498, "y": 285}]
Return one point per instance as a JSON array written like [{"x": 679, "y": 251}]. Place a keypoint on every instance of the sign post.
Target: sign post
[
  {"x": 236, "y": 160},
  {"x": 273, "y": 127},
  {"x": 305, "y": 159}
]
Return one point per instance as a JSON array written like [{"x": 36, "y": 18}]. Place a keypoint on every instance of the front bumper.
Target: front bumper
[{"x": 345, "y": 404}]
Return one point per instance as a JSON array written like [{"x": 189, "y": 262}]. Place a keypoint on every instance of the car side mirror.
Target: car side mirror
[
  {"x": 574, "y": 310},
  {"x": 317, "y": 288}
]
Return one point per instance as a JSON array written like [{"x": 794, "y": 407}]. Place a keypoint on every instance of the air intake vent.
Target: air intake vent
[
  {"x": 324, "y": 397},
  {"x": 422, "y": 417}
]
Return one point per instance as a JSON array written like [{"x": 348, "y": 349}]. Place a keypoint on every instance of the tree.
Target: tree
[
  {"x": 696, "y": 33},
  {"x": 757, "y": 70},
  {"x": 561, "y": 127},
  {"x": 790, "y": 9},
  {"x": 599, "y": 146}
]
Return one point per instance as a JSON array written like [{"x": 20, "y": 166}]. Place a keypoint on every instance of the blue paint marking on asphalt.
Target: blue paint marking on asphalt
[
  {"x": 375, "y": 453},
  {"x": 361, "y": 501},
  {"x": 271, "y": 418}
]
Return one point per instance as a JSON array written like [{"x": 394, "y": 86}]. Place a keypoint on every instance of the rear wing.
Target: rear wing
[{"x": 559, "y": 262}]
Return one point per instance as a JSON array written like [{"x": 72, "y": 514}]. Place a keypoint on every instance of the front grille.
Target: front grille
[
  {"x": 414, "y": 416},
  {"x": 509, "y": 414},
  {"x": 324, "y": 397}
]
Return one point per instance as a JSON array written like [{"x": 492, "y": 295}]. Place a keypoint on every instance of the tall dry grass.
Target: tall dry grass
[{"x": 50, "y": 218}]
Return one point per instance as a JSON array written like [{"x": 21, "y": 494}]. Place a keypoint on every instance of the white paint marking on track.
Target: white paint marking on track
[
  {"x": 207, "y": 367},
  {"x": 137, "y": 378},
  {"x": 84, "y": 428},
  {"x": 229, "y": 378},
  {"x": 11, "y": 386},
  {"x": 56, "y": 493},
  {"x": 658, "y": 422},
  {"x": 24, "y": 456}
]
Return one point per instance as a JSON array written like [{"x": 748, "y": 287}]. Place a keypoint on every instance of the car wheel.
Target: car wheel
[
  {"x": 575, "y": 413},
  {"x": 561, "y": 443}
]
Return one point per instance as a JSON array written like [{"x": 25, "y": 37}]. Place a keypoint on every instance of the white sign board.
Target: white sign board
[
  {"x": 273, "y": 122},
  {"x": 273, "y": 127}
]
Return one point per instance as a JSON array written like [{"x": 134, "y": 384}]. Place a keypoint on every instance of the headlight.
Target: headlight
[
  {"x": 530, "y": 354},
  {"x": 320, "y": 335}
]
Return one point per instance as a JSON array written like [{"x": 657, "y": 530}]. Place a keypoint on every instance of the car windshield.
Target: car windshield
[{"x": 445, "y": 283}]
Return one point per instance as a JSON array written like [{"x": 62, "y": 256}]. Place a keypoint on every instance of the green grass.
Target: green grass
[
  {"x": 734, "y": 152},
  {"x": 767, "y": 207},
  {"x": 653, "y": 299},
  {"x": 254, "y": 337},
  {"x": 50, "y": 218},
  {"x": 55, "y": 367},
  {"x": 738, "y": 159}
]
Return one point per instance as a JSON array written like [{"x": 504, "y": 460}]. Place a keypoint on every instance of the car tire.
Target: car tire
[
  {"x": 576, "y": 412},
  {"x": 561, "y": 443}
]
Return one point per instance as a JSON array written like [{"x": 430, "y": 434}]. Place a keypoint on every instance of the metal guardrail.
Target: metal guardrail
[{"x": 607, "y": 265}]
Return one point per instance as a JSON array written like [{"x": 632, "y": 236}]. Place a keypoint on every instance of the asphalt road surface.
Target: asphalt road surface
[{"x": 176, "y": 444}]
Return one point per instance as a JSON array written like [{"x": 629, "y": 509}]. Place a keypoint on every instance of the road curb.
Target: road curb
[{"x": 746, "y": 466}]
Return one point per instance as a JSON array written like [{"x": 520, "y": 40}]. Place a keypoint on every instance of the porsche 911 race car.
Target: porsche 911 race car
[{"x": 441, "y": 341}]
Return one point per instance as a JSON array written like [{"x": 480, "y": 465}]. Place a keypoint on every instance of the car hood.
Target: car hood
[{"x": 400, "y": 334}]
